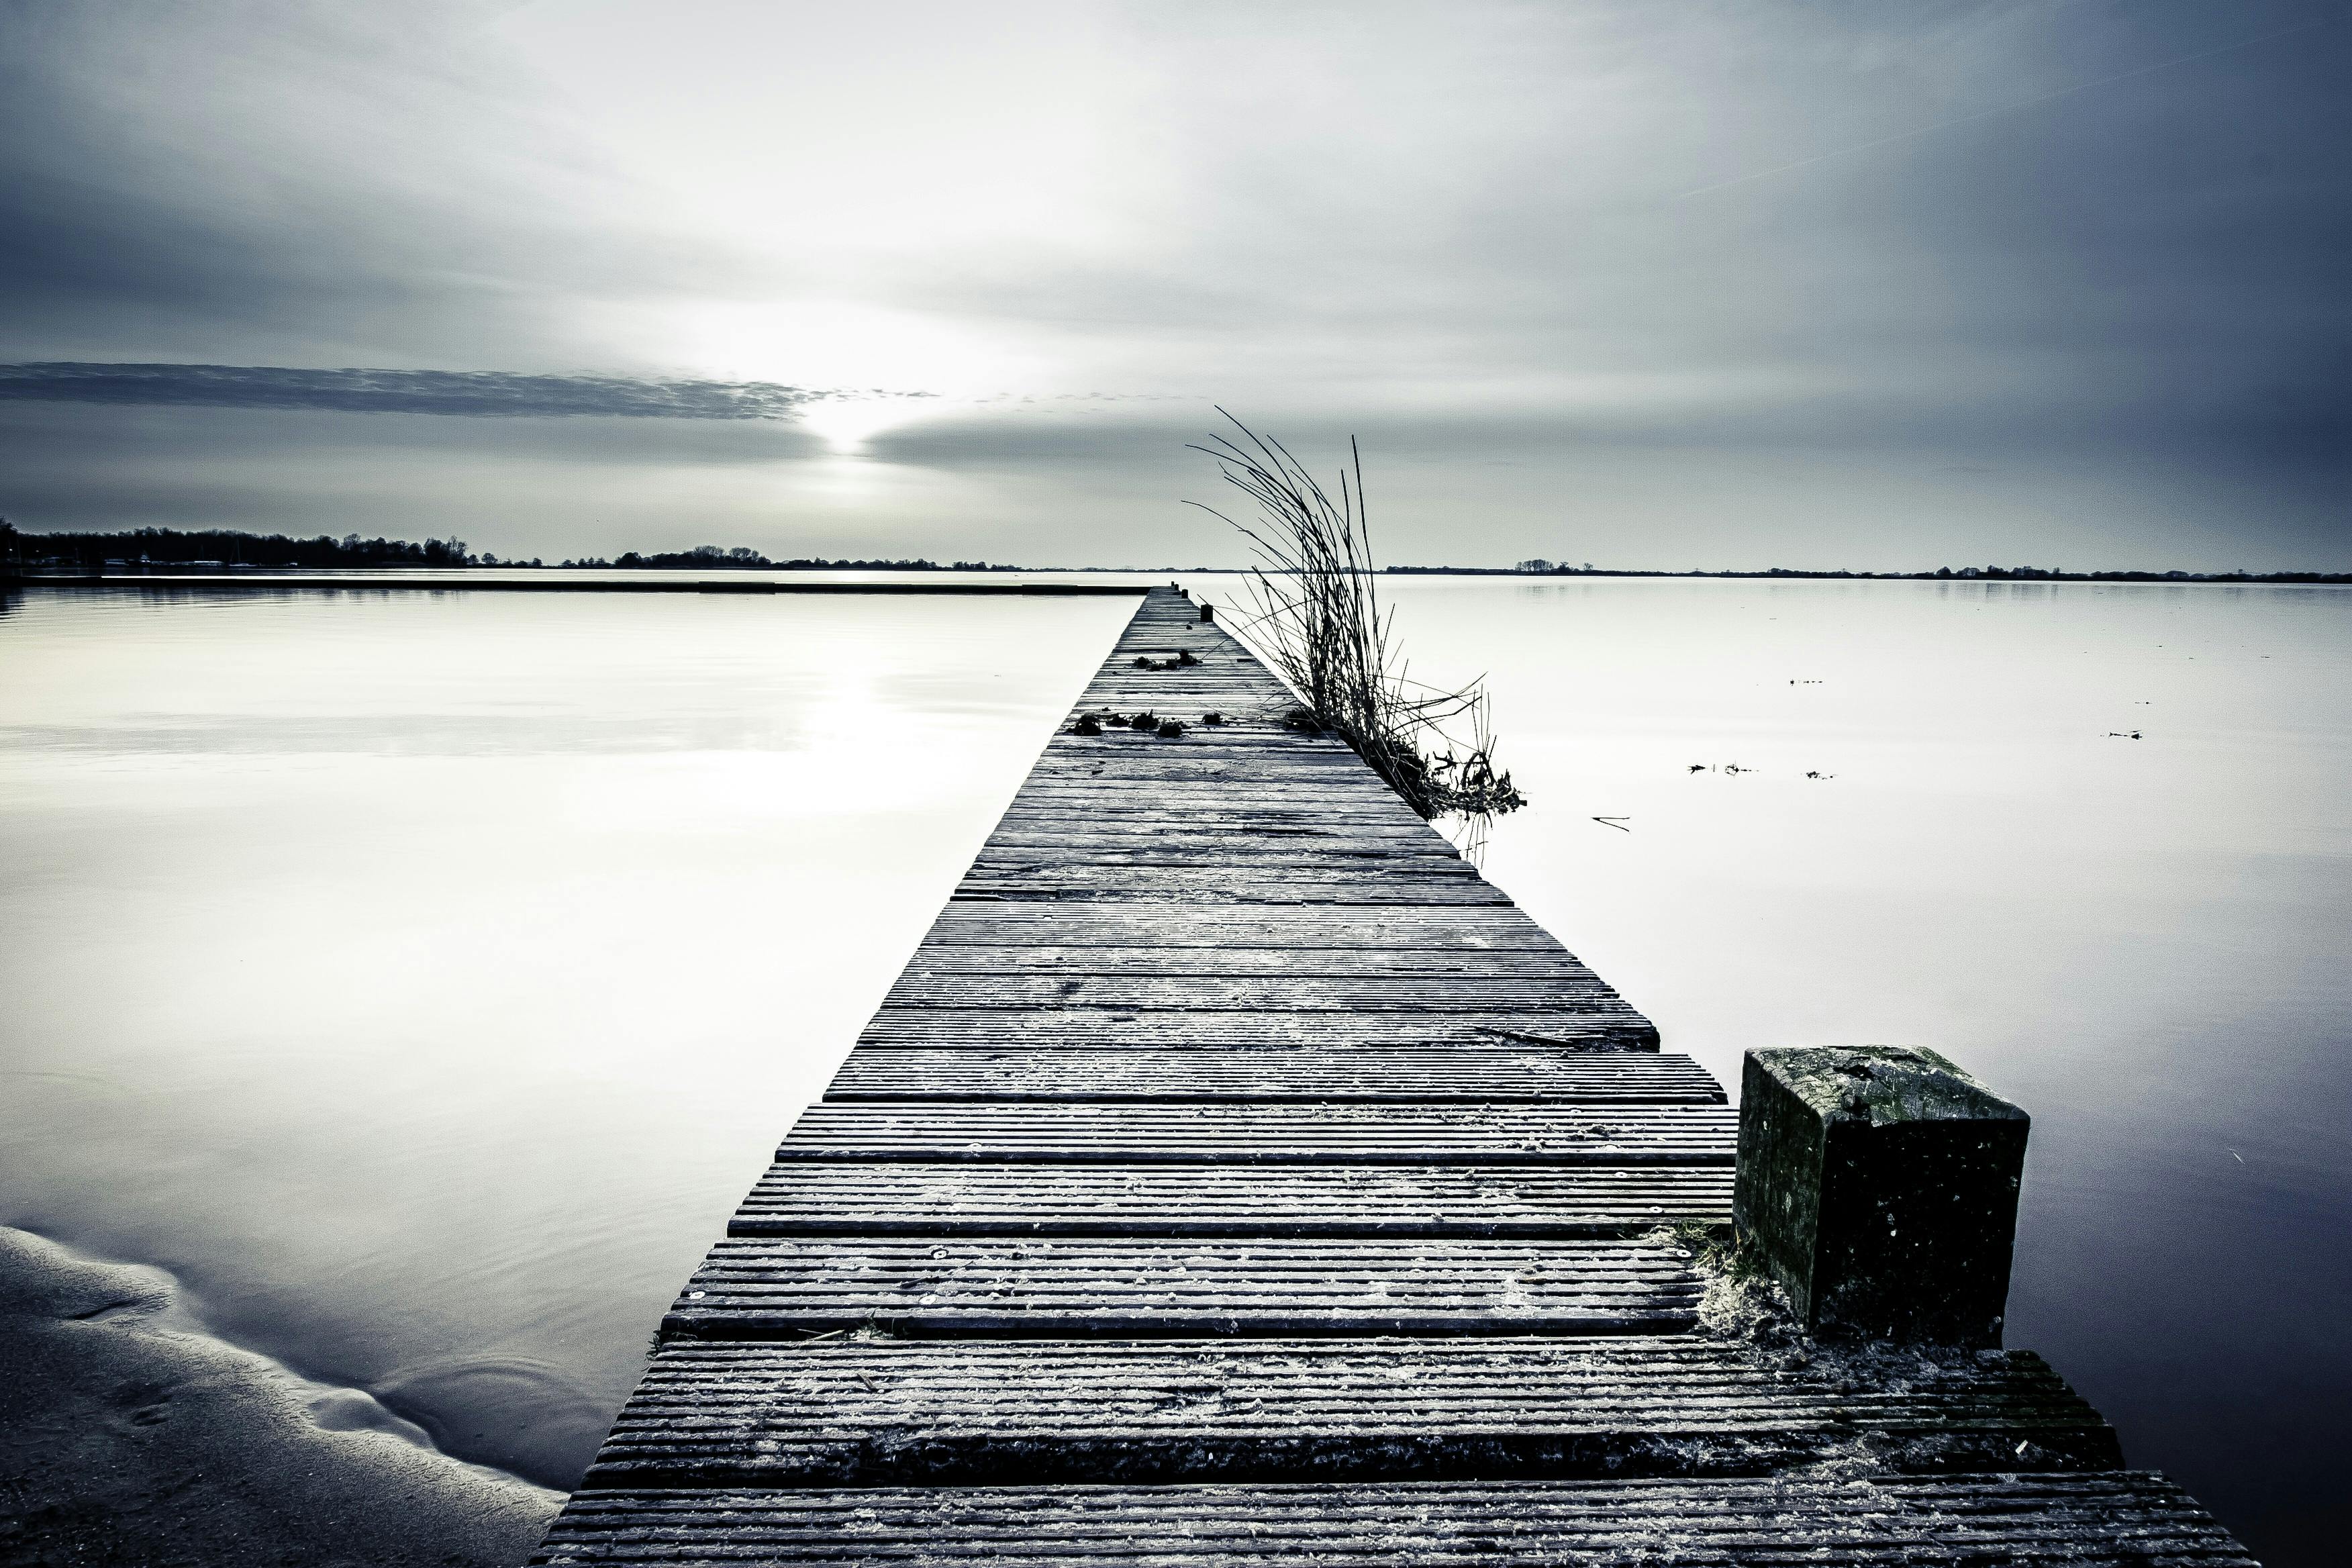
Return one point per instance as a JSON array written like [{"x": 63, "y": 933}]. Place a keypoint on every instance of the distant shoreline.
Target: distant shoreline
[
  {"x": 1941, "y": 574},
  {"x": 148, "y": 552},
  {"x": 1009, "y": 580},
  {"x": 553, "y": 579}
]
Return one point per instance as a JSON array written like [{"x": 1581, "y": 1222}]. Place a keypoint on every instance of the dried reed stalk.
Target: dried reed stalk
[{"x": 1315, "y": 617}]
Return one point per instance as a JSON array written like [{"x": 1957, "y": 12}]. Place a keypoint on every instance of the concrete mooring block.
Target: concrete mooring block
[{"x": 1880, "y": 1184}]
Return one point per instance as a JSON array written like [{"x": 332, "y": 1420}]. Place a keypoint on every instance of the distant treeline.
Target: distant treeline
[
  {"x": 1541, "y": 568},
  {"x": 219, "y": 547},
  {"x": 231, "y": 547},
  {"x": 703, "y": 556}
]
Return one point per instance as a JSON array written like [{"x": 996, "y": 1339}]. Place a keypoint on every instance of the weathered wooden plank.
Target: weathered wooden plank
[
  {"x": 1246, "y": 716},
  {"x": 1179, "y": 764},
  {"x": 1328, "y": 861},
  {"x": 1289, "y": 927},
  {"x": 1468, "y": 1073},
  {"x": 1281, "y": 1134},
  {"x": 1116, "y": 797},
  {"x": 1116, "y": 793},
  {"x": 1148, "y": 1287},
  {"x": 1243, "y": 718},
  {"x": 1046, "y": 956},
  {"x": 1226, "y": 665},
  {"x": 1342, "y": 785},
  {"x": 1599, "y": 1025},
  {"x": 965, "y": 1413},
  {"x": 1279, "y": 939},
  {"x": 1145, "y": 786},
  {"x": 1258, "y": 992},
  {"x": 1090, "y": 758},
  {"x": 1175, "y": 833},
  {"x": 1216, "y": 650},
  {"x": 814, "y": 1197},
  {"x": 1200, "y": 749},
  {"x": 1363, "y": 812},
  {"x": 1115, "y": 689},
  {"x": 1330, "y": 847},
  {"x": 1214, "y": 667},
  {"x": 1359, "y": 803},
  {"x": 1156, "y": 822},
  {"x": 2104, "y": 1519},
  {"x": 1209, "y": 686},
  {"x": 1177, "y": 837},
  {"x": 1221, "y": 658},
  {"x": 1211, "y": 823},
  {"x": 1218, "y": 653},
  {"x": 1224, "y": 662},
  {"x": 1247, "y": 712},
  {"x": 1236, "y": 884},
  {"x": 1212, "y": 808}
]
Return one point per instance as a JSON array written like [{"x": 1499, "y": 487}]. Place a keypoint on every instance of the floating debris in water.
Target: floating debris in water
[
  {"x": 1088, "y": 724},
  {"x": 1170, "y": 728},
  {"x": 1212, "y": 719}
]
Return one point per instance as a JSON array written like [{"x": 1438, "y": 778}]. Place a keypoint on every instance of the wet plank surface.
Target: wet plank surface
[
  {"x": 2112, "y": 1519},
  {"x": 1463, "y": 1074},
  {"x": 1423, "y": 993},
  {"x": 1228, "y": 1126},
  {"x": 1082, "y": 1287},
  {"x": 1604, "y": 1021},
  {"x": 829, "y": 1197},
  {"x": 983, "y": 1413},
  {"x": 1221, "y": 1134},
  {"x": 1159, "y": 922}
]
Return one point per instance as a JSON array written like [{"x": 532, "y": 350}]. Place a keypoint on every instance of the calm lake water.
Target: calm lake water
[{"x": 422, "y": 979}]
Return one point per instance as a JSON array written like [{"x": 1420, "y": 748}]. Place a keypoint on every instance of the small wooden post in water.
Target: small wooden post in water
[{"x": 1880, "y": 1184}]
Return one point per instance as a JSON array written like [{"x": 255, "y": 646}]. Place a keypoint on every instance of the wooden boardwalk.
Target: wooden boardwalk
[{"x": 1235, "y": 1176}]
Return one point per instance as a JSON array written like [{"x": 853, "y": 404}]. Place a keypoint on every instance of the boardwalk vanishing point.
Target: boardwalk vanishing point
[{"x": 1235, "y": 1177}]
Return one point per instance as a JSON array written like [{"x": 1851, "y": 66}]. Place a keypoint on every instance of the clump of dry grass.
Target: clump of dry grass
[
  {"x": 1317, "y": 619},
  {"x": 1740, "y": 1299}
]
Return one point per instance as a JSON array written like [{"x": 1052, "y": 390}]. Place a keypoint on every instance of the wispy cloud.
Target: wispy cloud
[
  {"x": 2095, "y": 247},
  {"x": 472, "y": 394},
  {"x": 1999, "y": 108}
]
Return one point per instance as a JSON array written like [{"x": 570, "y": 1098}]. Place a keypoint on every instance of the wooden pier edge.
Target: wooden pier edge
[{"x": 1235, "y": 1176}]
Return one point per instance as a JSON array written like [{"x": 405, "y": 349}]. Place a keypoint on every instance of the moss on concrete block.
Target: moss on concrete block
[{"x": 1880, "y": 1182}]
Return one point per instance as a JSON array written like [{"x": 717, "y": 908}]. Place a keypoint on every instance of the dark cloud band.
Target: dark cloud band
[{"x": 475, "y": 393}]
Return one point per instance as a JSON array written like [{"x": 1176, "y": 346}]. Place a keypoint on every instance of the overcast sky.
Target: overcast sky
[{"x": 2059, "y": 282}]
